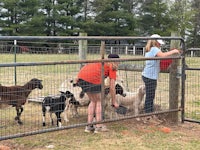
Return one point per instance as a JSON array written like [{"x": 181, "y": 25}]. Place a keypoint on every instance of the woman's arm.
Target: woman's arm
[
  {"x": 113, "y": 93},
  {"x": 165, "y": 54}
]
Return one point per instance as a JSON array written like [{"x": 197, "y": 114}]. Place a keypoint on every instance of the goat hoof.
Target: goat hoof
[
  {"x": 59, "y": 124},
  {"x": 16, "y": 118},
  {"x": 66, "y": 120},
  {"x": 20, "y": 123}
]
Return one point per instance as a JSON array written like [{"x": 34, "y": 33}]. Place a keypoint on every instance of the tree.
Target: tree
[
  {"x": 15, "y": 14},
  {"x": 180, "y": 14},
  {"x": 101, "y": 17},
  {"x": 153, "y": 17},
  {"x": 193, "y": 39},
  {"x": 111, "y": 17},
  {"x": 60, "y": 17},
  {"x": 36, "y": 17}
]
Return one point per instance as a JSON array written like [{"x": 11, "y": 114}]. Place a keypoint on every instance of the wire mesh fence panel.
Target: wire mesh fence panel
[
  {"x": 56, "y": 65},
  {"x": 192, "y": 106},
  {"x": 56, "y": 78},
  {"x": 53, "y": 77}
]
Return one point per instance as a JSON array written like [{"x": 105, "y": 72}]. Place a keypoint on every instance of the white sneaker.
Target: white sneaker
[
  {"x": 89, "y": 128},
  {"x": 101, "y": 129}
]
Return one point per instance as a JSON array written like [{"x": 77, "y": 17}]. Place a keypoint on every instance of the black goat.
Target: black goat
[
  {"x": 17, "y": 95},
  {"x": 57, "y": 105}
]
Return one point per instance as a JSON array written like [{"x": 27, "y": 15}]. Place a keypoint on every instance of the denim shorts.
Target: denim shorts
[{"x": 89, "y": 87}]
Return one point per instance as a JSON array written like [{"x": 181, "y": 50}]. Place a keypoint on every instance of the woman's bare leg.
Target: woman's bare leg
[
  {"x": 95, "y": 107},
  {"x": 91, "y": 110}
]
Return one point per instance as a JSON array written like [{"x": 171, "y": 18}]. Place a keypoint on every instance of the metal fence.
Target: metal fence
[
  {"x": 56, "y": 70},
  {"x": 192, "y": 88}
]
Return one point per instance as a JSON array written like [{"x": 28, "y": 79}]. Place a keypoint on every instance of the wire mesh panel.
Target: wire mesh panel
[
  {"x": 56, "y": 65},
  {"x": 56, "y": 78},
  {"x": 192, "y": 106}
]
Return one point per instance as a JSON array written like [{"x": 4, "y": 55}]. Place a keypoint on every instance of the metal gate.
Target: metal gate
[{"x": 192, "y": 86}]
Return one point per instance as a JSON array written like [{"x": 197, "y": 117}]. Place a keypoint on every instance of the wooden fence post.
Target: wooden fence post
[
  {"x": 102, "y": 52},
  {"x": 82, "y": 48},
  {"x": 174, "y": 83}
]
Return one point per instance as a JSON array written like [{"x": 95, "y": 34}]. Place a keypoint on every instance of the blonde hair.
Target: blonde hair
[
  {"x": 114, "y": 66},
  {"x": 150, "y": 43}
]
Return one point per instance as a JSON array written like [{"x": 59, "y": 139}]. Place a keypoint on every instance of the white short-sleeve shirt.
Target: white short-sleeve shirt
[{"x": 152, "y": 67}]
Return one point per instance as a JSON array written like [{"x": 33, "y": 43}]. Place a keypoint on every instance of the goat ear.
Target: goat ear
[
  {"x": 62, "y": 92},
  {"x": 68, "y": 93}
]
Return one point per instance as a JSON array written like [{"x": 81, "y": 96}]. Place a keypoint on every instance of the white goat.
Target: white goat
[{"x": 132, "y": 101}]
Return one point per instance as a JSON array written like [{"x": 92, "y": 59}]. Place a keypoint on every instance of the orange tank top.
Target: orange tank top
[{"x": 92, "y": 72}]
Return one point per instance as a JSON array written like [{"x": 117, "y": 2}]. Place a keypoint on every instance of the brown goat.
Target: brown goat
[{"x": 17, "y": 95}]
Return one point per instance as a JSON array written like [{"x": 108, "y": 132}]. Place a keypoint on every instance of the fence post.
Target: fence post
[
  {"x": 143, "y": 51},
  {"x": 82, "y": 48},
  {"x": 126, "y": 50},
  {"x": 15, "y": 60},
  {"x": 191, "y": 53},
  {"x": 174, "y": 83},
  {"x": 133, "y": 50},
  {"x": 111, "y": 50},
  {"x": 102, "y": 51}
]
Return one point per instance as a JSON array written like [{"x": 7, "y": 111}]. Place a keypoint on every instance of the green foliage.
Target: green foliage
[
  {"x": 101, "y": 17},
  {"x": 154, "y": 17}
]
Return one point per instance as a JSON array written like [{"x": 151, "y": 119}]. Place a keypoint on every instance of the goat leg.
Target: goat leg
[
  {"x": 59, "y": 124},
  {"x": 65, "y": 113},
  {"x": 52, "y": 123},
  {"x": 19, "y": 111},
  {"x": 43, "y": 119},
  {"x": 74, "y": 110}
]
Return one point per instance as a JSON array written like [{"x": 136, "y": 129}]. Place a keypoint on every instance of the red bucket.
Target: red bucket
[{"x": 164, "y": 64}]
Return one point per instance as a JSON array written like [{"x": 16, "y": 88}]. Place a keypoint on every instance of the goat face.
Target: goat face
[
  {"x": 68, "y": 94},
  {"x": 72, "y": 98},
  {"x": 36, "y": 83},
  {"x": 119, "y": 90},
  {"x": 142, "y": 89}
]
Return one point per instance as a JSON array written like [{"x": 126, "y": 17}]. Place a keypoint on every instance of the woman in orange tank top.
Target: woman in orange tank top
[{"x": 89, "y": 79}]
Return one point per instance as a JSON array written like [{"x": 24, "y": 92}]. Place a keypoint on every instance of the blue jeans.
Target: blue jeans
[{"x": 150, "y": 86}]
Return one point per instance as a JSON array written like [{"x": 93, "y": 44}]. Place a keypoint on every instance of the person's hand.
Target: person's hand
[
  {"x": 177, "y": 51},
  {"x": 180, "y": 51}
]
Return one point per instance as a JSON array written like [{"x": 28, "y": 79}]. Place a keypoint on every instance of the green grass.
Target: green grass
[
  {"x": 123, "y": 135},
  {"x": 37, "y": 57}
]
